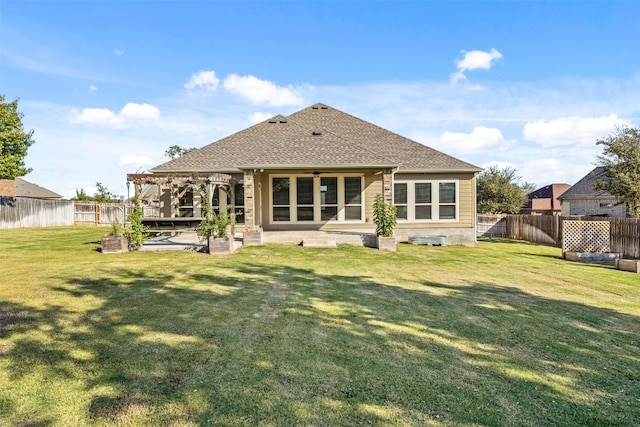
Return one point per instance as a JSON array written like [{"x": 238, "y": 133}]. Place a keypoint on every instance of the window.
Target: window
[
  {"x": 185, "y": 202},
  {"x": 281, "y": 203},
  {"x": 426, "y": 200},
  {"x": 328, "y": 198},
  {"x": 304, "y": 199},
  {"x": 352, "y": 198},
  {"x": 447, "y": 208},
  {"x": 238, "y": 203},
  {"x": 400, "y": 199},
  {"x": 311, "y": 199},
  {"x": 423, "y": 200}
]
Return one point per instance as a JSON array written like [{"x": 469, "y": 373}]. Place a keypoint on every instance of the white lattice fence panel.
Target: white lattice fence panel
[{"x": 586, "y": 236}]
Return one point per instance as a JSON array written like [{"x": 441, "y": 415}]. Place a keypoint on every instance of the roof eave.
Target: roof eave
[
  {"x": 317, "y": 166},
  {"x": 450, "y": 170}
]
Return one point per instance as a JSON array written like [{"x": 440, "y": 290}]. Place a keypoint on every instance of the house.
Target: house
[
  {"x": 320, "y": 169},
  {"x": 582, "y": 199},
  {"x": 544, "y": 201},
  {"x": 29, "y": 190}
]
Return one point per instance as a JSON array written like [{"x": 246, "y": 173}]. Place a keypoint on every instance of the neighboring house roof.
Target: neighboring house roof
[
  {"x": 585, "y": 188},
  {"x": 26, "y": 189},
  {"x": 317, "y": 136},
  {"x": 546, "y": 198}
]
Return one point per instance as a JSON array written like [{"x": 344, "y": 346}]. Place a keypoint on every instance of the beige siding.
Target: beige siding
[
  {"x": 466, "y": 199},
  {"x": 373, "y": 186}
]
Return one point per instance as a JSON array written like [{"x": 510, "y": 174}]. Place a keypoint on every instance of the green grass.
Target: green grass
[{"x": 505, "y": 333}]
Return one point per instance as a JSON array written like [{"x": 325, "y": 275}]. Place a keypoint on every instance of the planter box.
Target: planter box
[
  {"x": 631, "y": 265},
  {"x": 595, "y": 257},
  {"x": 428, "y": 240},
  {"x": 114, "y": 244},
  {"x": 220, "y": 246},
  {"x": 252, "y": 238},
  {"x": 386, "y": 243}
]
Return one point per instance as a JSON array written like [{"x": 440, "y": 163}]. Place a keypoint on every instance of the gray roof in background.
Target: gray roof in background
[
  {"x": 585, "y": 188},
  {"x": 26, "y": 189},
  {"x": 317, "y": 136}
]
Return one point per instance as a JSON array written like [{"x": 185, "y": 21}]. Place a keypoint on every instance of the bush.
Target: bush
[{"x": 385, "y": 216}]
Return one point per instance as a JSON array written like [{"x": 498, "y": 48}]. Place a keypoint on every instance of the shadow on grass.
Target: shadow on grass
[{"x": 286, "y": 346}]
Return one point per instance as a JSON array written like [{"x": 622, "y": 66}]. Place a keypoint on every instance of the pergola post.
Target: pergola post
[{"x": 253, "y": 233}]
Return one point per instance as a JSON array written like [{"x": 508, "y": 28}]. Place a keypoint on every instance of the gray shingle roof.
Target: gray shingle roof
[
  {"x": 26, "y": 189},
  {"x": 317, "y": 136},
  {"x": 585, "y": 188}
]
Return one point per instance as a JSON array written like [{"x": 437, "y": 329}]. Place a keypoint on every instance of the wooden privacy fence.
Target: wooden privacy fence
[
  {"x": 624, "y": 232},
  {"x": 17, "y": 212},
  {"x": 95, "y": 213}
]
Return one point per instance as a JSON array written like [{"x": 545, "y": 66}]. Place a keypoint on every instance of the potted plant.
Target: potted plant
[
  {"x": 385, "y": 217},
  {"x": 215, "y": 228},
  {"x": 116, "y": 241}
]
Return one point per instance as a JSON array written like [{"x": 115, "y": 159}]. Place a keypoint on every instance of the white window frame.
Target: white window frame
[
  {"x": 435, "y": 200},
  {"x": 293, "y": 202}
]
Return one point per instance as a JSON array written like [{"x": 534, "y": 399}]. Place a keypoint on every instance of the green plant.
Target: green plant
[
  {"x": 385, "y": 216},
  {"x": 137, "y": 232},
  {"x": 116, "y": 228},
  {"x": 214, "y": 224}
]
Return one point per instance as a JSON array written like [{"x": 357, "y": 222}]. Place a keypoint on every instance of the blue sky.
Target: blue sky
[{"x": 108, "y": 86}]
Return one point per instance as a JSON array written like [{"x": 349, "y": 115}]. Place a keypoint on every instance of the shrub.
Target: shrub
[{"x": 384, "y": 216}]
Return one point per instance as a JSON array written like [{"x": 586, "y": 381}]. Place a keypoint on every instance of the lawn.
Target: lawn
[{"x": 502, "y": 334}]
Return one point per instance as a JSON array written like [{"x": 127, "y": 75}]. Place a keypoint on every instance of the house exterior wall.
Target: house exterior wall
[
  {"x": 462, "y": 230},
  {"x": 593, "y": 207}
]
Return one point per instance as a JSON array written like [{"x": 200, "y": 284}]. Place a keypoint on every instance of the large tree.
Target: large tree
[
  {"x": 500, "y": 190},
  {"x": 14, "y": 141},
  {"x": 621, "y": 161}
]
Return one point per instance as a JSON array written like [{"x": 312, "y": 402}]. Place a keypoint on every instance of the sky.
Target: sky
[{"x": 108, "y": 86}]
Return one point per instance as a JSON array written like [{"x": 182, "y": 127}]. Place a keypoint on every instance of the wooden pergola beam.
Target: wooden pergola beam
[{"x": 179, "y": 179}]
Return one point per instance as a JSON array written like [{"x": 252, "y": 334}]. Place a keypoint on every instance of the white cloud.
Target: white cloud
[
  {"x": 93, "y": 88},
  {"x": 103, "y": 117},
  {"x": 474, "y": 60},
  {"x": 97, "y": 117},
  {"x": 140, "y": 111},
  {"x": 118, "y": 52},
  {"x": 206, "y": 81},
  {"x": 262, "y": 92},
  {"x": 129, "y": 160},
  {"x": 570, "y": 130},
  {"x": 259, "y": 117},
  {"x": 481, "y": 140}
]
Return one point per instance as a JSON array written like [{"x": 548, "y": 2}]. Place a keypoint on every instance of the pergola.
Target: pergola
[{"x": 179, "y": 183}]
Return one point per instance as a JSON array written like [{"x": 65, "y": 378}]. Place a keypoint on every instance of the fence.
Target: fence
[
  {"x": 16, "y": 212},
  {"x": 625, "y": 232},
  {"x": 94, "y": 213}
]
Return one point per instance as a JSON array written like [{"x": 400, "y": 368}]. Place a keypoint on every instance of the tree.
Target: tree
[
  {"x": 621, "y": 161},
  {"x": 14, "y": 141},
  {"x": 176, "y": 151},
  {"x": 102, "y": 195},
  {"x": 501, "y": 190}
]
